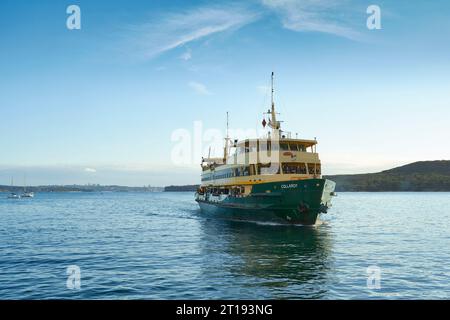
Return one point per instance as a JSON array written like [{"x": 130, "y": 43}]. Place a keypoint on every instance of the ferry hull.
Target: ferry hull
[{"x": 291, "y": 202}]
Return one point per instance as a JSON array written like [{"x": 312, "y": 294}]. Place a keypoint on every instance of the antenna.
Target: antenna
[
  {"x": 225, "y": 149},
  {"x": 227, "y": 126},
  {"x": 273, "y": 123},
  {"x": 272, "y": 92}
]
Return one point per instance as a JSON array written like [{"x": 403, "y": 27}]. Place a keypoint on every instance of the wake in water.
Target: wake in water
[{"x": 278, "y": 224}]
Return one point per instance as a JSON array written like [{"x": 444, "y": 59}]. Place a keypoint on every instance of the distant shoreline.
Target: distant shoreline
[
  {"x": 79, "y": 188},
  {"x": 422, "y": 176},
  {"x": 2, "y": 192}
]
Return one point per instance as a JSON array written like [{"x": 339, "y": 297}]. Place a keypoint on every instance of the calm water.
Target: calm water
[{"x": 159, "y": 246}]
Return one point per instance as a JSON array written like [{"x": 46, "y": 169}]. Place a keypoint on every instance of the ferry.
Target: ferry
[{"x": 275, "y": 178}]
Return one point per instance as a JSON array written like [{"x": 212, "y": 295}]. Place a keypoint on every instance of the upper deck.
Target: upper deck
[
  {"x": 258, "y": 161},
  {"x": 272, "y": 158},
  {"x": 282, "y": 144}
]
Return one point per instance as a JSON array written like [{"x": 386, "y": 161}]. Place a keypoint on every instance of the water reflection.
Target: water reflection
[{"x": 288, "y": 261}]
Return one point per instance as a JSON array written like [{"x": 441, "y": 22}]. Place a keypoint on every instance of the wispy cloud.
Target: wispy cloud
[
  {"x": 90, "y": 170},
  {"x": 199, "y": 88},
  {"x": 327, "y": 16},
  {"x": 186, "y": 55},
  {"x": 168, "y": 31},
  {"x": 172, "y": 30}
]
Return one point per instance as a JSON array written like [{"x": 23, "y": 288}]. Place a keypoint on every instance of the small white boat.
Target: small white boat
[
  {"x": 27, "y": 195},
  {"x": 13, "y": 195}
]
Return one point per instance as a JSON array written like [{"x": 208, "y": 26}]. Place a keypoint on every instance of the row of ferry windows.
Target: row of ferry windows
[
  {"x": 287, "y": 168},
  {"x": 233, "y": 191},
  {"x": 283, "y": 146}
]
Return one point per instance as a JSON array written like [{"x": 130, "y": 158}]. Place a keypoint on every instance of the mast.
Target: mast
[
  {"x": 12, "y": 185},
  {"x": 227, "y": 126},
  {"x": 273, "y": 104},
  {"x": 273, "y": 123},
  {"x": 225, "y": 149}
]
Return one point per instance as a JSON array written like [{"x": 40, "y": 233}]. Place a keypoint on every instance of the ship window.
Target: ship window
[
  {"x": 235, "y": 191},
  {"x": 294, "y": 168},
  {"x": 247, "y": 148},
  {"x": 284, "y": 146},
  {"x": 313, "y": 168},
  {"x": 265, "y": 146},
  {"x": 294, "y": 146},
  {"x": 269, "y": 168},
  {"x": 302, "y": 168},
  {"x": 289, "y": 168},
  {"x": 262, "y": 145},
  {"x": 265, "y": 165}
]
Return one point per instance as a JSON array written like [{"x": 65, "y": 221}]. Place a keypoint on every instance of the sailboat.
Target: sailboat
[
  {"x": 26, "y": 194},
  {"x": 13, "y": 195}
]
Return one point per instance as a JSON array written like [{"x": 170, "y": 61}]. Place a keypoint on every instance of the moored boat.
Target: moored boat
[
  {"x": 25, "y": 193},
  {"x": 13, "y": 195},
  {"x": 275, "y": 178}
]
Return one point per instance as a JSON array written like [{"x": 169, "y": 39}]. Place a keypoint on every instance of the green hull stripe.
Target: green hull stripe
[{"x": 287, "y": 201}]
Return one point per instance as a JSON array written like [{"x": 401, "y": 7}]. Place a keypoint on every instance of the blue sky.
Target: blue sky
[{"x": 99, "y": 105}]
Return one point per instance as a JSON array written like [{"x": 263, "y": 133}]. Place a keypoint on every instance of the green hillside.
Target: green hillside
[{"x": 417, "y": 176}]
